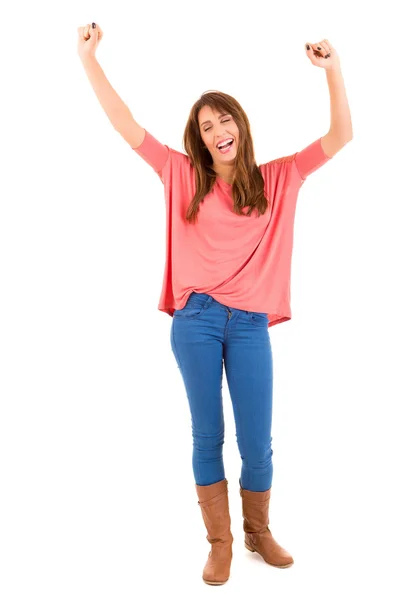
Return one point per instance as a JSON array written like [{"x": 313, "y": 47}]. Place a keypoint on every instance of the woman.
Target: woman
[{"x": 226, "y": 281}]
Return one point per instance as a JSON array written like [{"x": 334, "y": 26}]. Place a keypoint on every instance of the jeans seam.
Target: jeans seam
[
  {"x": 180, "y": 365},
  {"x": 240, "y": 422}
]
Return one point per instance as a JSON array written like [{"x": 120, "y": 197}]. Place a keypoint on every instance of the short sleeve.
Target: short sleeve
[
  {"x": 154, "y": 153},
  {"x": 310, "y": 159}
]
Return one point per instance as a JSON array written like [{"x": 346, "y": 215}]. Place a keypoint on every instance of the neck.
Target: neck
[{"x": 225, "y": 172}]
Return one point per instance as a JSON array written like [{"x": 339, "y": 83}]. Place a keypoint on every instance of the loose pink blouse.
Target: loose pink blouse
[{"x": 243, "y": 262}]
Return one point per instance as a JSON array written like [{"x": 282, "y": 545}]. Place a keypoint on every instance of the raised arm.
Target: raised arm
[
  {"x": 114, "y": 107},
  {"x": 324, "y": 55}
]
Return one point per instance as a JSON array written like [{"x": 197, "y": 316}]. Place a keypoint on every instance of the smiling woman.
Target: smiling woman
[
  {"x": 226, "y": 282},
  {"x": 229, "y": 240}
]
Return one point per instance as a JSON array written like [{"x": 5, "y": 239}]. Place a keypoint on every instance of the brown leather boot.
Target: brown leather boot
[
  {"x": 213, "y": 501},
  {"x": 258, "y": 537}
]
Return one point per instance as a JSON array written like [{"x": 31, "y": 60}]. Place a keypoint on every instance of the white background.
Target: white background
[{"x": 97, "y": 492}]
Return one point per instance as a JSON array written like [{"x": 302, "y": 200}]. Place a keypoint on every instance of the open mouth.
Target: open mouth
[{"x": 225, "y": 148}]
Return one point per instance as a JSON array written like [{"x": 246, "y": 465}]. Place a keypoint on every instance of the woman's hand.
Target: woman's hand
[
  {"x": 89, "y": 38},
  {"x": 323, "y": 54}
]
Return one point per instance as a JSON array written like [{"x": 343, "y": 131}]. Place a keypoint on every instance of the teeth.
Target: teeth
[{"x": 224, "y": 144}]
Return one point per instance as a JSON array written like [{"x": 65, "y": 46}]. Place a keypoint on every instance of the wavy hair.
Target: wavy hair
[{"x": 248, "y": 182}]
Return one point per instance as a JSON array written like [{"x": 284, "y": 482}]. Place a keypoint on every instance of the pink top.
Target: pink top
[{"x": 242, "y": 262}]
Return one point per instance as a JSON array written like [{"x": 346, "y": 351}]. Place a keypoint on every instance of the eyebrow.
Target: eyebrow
[{"x": 220, "y": 116}]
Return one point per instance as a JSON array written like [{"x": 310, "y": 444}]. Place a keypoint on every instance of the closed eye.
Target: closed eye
[{"x": 223, "y": 121}]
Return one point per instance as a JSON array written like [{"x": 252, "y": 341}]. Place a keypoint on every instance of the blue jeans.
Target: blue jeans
[{"x": 205, "y": 335}]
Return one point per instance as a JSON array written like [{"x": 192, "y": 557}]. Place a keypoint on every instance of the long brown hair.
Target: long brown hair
[{"x": 248, "y": 182}]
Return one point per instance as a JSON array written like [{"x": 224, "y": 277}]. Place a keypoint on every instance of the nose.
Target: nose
[{"x": 221, "y": 136}]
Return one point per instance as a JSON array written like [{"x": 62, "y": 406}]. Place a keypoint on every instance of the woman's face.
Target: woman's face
[{"x": 215, "y": 127}]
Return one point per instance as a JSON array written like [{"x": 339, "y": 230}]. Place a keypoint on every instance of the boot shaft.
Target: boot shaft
[
  {"x": 255, "y": 510},
  {"x": 214, "y": 504}
]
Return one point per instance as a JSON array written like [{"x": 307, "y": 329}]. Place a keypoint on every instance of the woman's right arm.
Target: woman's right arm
[
  {"x": 139, "y": 139},
  {"x": 114, "y": 107}
]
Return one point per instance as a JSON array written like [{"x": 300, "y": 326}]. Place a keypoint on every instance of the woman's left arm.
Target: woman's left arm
[{"x": 340, "y": 132}]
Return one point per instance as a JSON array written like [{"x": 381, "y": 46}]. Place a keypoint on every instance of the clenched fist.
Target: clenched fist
[
  {"x": 323, "y": 54},
  {"x": 89, "y": 38}
]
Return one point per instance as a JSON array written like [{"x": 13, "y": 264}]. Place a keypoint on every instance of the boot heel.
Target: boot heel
[{"x": 248, "y": 547}]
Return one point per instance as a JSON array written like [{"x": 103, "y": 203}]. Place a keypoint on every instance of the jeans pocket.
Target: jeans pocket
[
  {"x": 193, "y": 308},
  {"x": 259, "y": 319}
]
